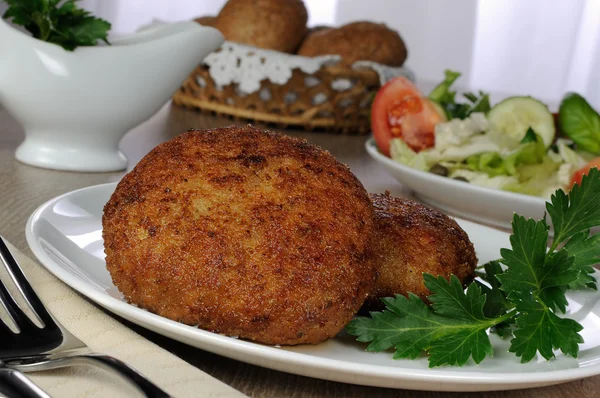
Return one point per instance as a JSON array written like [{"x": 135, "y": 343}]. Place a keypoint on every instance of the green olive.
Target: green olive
[{"x": 439, "y": 170}]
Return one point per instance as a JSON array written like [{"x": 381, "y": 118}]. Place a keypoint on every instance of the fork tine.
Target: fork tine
[
  {"x": 5, "y": 331},
  {"x": 31, "y": 298},
  {"x": 13, "y": 310},
  {"x": 7, "y": 338}
]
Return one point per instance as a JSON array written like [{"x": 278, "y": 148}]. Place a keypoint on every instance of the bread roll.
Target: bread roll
[
  {"x": 357, "y": 41},
  {"x": 207, "y": 20},
  {"x": 271, "y": 24}
]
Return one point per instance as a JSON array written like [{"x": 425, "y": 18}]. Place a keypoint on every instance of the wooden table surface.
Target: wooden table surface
[{"x": 24, "y": 188}]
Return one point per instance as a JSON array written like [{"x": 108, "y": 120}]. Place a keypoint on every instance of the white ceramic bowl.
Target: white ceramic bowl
[{"x": 485, "y": 205}]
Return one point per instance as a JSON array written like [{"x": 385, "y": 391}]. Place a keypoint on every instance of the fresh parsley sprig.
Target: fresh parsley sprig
[
  {"x": 575, "y": 213},
  {"x": 520, "y": 298},
  {"x": 57, "y": 21},
  {"x": 452, "y": 329}
]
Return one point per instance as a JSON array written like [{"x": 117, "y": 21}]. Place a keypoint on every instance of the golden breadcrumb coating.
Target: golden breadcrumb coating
[
  {"x": 414, "y": 239},
  {"x": 243, "y": 232}
]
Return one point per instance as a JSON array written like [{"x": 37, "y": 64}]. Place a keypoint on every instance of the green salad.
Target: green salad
[{"x": 517, "y": 145}]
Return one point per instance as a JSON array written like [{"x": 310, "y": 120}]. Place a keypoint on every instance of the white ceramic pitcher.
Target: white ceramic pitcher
[{"x": 76, "y": 106}]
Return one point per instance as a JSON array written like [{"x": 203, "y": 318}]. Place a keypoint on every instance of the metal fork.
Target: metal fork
[
  {"x": 14, "y": 384},
  {"x": 51, "y": 346}
]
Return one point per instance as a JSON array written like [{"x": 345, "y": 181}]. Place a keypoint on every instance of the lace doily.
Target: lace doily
[
  {"x": 247, "y": 66},
  {"x": 386, "y": 73}
]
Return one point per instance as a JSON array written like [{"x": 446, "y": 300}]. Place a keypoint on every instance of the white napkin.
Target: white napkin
[{"x": 108, "y": 336}]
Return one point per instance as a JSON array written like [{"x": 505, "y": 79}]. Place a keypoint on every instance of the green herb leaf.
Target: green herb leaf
[
  {"x": 554, "y": 297},
  {"x": 577, "y": 212},
  {"x": 585, "y": 250},
  {"x": 560, "y": 273},
  {"x": 458, "y": 347},
  {"x": 407, "y": 324},
  {"x": 496, "y": 303},
  {"x": 441, "y": 93},
  {"x": 451, "y": 330},
  {"x": 449, "y": 298},
  {"x": 455, "y": 111},
  {"x": 479, "y": 103},
  {"x": 531, "y": 270},
  {"x": 445, "y": 97},
  {"x": 540, "y": 330},
  {"x": 530, "y": 136},
  {"x": 580, "y": 122},
  {"x": 88, "y": 31},
  {"x": 525, "y": 260},
  {"x": 520, "y": 299},
  {"x": 57, "y": 22}
]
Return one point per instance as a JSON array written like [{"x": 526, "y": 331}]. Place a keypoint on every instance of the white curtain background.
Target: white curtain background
[
  {"x": 536, "y": 47},
  {"x": 128, "y": 15}
]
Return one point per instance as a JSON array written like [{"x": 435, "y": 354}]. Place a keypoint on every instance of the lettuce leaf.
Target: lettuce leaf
[
  {"x": 402, "y": 153},
  {"x": 532, "y": 151},
  {"x": 537, "y": 179}
]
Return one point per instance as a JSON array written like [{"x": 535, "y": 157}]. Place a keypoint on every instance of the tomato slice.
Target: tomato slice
[
  {"x": 400, "y": 111},
  {"x": 576, "y": 178}
]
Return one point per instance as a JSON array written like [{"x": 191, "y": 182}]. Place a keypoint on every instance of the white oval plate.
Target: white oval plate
[
  {"x": 66, "y": 236},
  {"x": 481, "y": 204}
]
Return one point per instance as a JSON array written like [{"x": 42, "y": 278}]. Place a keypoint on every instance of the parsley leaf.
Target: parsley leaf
[
  {"x": 541, "y": 330},
  {"x": 451, "y": 330},
  {"x": 518, "y": 295},
  {"x": 530, "y": 269},
  {"x": 577, "y": 212},
  {"x": 536, "y": 281},
  {"x": 456, "y": 348},
  {"x": 59, "y": 22},
  {"x": 559, "y": 274},
  {"x": 496, "y": 303},
  {"x": 449, "y": 298},
  {"x": 585, "y": 250},
  {"x": 526, "y": 258}
]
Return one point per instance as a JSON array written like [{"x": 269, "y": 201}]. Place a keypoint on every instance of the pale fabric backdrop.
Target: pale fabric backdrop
[{"x": 537, "y": 47}]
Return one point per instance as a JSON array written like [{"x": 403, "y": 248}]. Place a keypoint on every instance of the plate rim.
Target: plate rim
[{"x": 381, "y": 376}]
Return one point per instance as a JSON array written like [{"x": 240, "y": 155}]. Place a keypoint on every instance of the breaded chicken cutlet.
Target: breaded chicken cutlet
[
  {"x": 243, "y": 232},
  {"x": 414, "y": 239}
]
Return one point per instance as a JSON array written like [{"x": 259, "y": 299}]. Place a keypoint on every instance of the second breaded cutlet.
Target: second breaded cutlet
[{"x": 414, "y": 239}]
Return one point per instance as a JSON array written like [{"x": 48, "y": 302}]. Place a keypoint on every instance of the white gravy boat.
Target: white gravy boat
[{"x": 76, "y": 106}]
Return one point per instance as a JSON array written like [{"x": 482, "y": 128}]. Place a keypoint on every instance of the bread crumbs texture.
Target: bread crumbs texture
[{"x": 243, "y": 232}]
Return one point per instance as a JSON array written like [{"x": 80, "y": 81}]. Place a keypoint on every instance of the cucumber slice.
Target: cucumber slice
[{"x": 515, "y": 115}]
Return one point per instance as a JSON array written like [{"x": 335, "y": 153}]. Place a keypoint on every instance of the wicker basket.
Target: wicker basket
[{"x": 334, "y": 98}]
